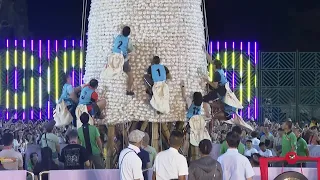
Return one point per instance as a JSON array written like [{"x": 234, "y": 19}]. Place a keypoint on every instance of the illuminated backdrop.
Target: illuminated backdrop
[{"x": 31, "y": 77}]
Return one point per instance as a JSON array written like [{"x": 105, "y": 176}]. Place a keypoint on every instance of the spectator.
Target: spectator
[
  {"x": 289, "y": 140},
  {"x": 313, "y": 122},
  {"x": 170, "y": 164},
  {"x": 9, "y": 152},
  {"x": 89, "y": 137},
  {"x": 205, "y": 168},
  {"x": 267, "y": 136},
  {"x": 254, "y": 160},
  {"x": 241, "y": 147},
  {"x": 223, "y": 136},
  {"x": 302, "y": 147},
  {"x": 255, "y": 140},
  {"x": 74, "y": 156},
  {"x": 314, "y": 136},
  {"x": 46, "y": 163},
  {"x": 235, "y": 165},
  {"x": 130, "y": 164},
  {"x": 151, "y": 150},
  {"x": 144, "y": 156},
  {"x": 249, "y": 149},
  {"x": 32, "y": 161},
  {"x": 264, "y": 152},
  {"x": 278, "y": 141},
  {"x": 49, "y": 139}
]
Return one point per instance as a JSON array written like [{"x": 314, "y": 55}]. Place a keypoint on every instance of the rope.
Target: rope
[
  {"x": 205, "y": 23},
  {"x": 83, "y": 22}
]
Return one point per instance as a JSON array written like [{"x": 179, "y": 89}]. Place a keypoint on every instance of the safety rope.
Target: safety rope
[{"x": 83, "y": 22}]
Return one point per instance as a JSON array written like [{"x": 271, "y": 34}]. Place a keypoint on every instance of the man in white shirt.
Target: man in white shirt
[
  {"x": 9, "y": 153},
  {"x": 264, "y": 151},
  {"x": 249, "y": 149},
  {"x": 255, "y": 140},
  {"x": 129, "y": 162},
  {"x": 170, "y": 164},
  {"x": 234, "y": 165}
]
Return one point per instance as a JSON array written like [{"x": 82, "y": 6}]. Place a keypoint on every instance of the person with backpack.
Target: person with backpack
[
  {"x": 89, "y": 137},
  {"x": 49, "y": 139}
]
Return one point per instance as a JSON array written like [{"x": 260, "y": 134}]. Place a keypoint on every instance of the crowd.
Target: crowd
[{"x": 67, "y": 148}]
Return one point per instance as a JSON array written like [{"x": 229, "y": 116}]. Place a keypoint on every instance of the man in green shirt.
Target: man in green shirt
[
  {"x": 89, "y": 137},
  {"x": 302, "y": 146},
  {"x": 289, "y": 139},
  {"x": 224, "y": 145}
]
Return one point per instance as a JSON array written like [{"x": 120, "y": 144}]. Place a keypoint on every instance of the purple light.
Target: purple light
[
  {"x": 255, "y": 53},
  {"x": 24, "y": 43},
  {"x": 249, "y": 50},
  {"x": 249, "y": 114},
  {"x": 72, "y": 43},
  {"x": 233, "y": 46},
  {"x": 23, "y": 115},
  {"x": 40, "y": 114},
  {"x": 225, "y": 45},
  {"x": 233, "y": 80},
  {"x": 15, "y": 79},
  {"x": 56, "y": 46},
  {"x": 40, "y": 55},
  {"x": 241, "y": 46},
  {"x": 218, "y": 46},
  {"x": 7, "y": 43},
  {"x": 31, "y": 113},
  {"x": 80, "y": 43},
  {"x": 255, "y": 108},
  {"x": 7, "y": 114},
  {"x": 15, "y": 43},
  {"x": 211, "y": 48},
  {"x": 49, "y": 110},
  {"x": 73, "y": 78},
  {"x": 31, "y": 45},
  {"x": 48, "y": 50},
  {"x": 65, "y": 44}
]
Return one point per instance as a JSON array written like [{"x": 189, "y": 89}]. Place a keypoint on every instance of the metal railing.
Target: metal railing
[
  {"x": 42, "y": 173},
  {"x": 32, "y": 175}
]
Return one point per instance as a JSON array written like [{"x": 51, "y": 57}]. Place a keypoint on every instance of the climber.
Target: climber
[
  {"x": 69, "y": 96},
  {"x": 123, "y": 45},
  {"x": 193, "y": 105},
  {"x": 155, "y": 73},
  {"x": 218, "y": 91},
  {"x": 89, "y": 97}
]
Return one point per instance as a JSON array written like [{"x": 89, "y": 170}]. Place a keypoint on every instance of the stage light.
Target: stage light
[
  {"x": 249, "y": 81},
  {"x": 40, "y": 80},
  {"x": 81, "y": 64},
  {"x": 7, "y": 79},
  {"x": 241, "y": 73},
  {"x": 56, "y": 75},
  {"x": 233, "y": 66},
  {"x": 255, "y": 81},
  {"x": 48, "y": 81},
  {"x": 24, "y": 79},
  {"x": 15, "y": 77},
  {"x": 73, "y": 62},
  {"x": 65, "y": 56},
  {"x": 31, "y": 82},
  {"x": 211, "y": 65}
]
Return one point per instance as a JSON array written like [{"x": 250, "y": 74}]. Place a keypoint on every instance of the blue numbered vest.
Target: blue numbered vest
[
  {"x": 193, "y": 110},
  {"x": 65, "y": 95},
  {"x": 120, "y": 45},
  {"x": 158, "y": 73},
  {"x": 229, "y": 109},
  {"x": 85, "y": 96},
  {"x": 223, "y": 79}
]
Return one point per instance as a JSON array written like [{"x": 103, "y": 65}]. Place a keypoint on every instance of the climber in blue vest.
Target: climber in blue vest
[
  {"x": 193, "y": 105},
  {"x": 69, "y": 97},
  {"x": 155, "y": 73},
  {"x": 89, "y": 97},
  {"x": 218, "y": 91},
  {"x": 123, "y": 45}
]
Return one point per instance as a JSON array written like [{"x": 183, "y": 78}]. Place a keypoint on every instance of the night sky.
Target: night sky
[{"x": 277, "y": 25}]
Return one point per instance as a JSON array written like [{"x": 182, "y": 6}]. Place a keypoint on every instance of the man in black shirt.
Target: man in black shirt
[{"x": 74, "y": 156}]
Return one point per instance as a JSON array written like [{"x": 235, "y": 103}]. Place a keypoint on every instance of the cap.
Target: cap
[
  {"x": 136, "y": 136},
  {"x": 50, "y": 125}
]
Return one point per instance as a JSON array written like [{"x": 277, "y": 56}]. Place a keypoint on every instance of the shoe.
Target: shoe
[
  {"x": 158, "y": 112},
  {"x": 130, "y": 93}
]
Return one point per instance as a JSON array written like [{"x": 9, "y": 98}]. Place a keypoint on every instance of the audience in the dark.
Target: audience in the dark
[{"x": 46, "y": 163}]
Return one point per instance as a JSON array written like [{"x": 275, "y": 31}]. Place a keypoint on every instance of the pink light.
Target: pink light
[
  {"x": 255, "y": 53},
  {"x": 225, "y": 45},
  {"x": 24, "y": 43},
  {"x": 56, "y": 46},
  {"x": 40, "y": 114},
  {"x": 233, "y": 45},
  {"x": 16, "y": 115},
  {"x": 72, "y": 43},
  {"x": 15, "y": 79},
  {"x": 15, "y": 43},
  {"x": 233, "y": 79},
  {"x": 48, "y": 50},
  {"x": 31, "y": 113},
  {"x": 211, "y": 48},
  {"x": 23, "y": 115},
  {"x": 31, "y": 45},
  {"x": 255, "y": 108},
  {"x": 81, "y": 79},
  {"x": 40, "y": 52},
  {"x": 249, "y": 49},
  {"x": 7, "y": 114},
  {"x": 80, "y": 43},
  {"x": 7, "y": 43},
  {"x": 65, "y": 44},
  {"x": 249, "y": 114},
  {"x": 49, "y": 110},
  {"x": 241, "y": 46}
]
